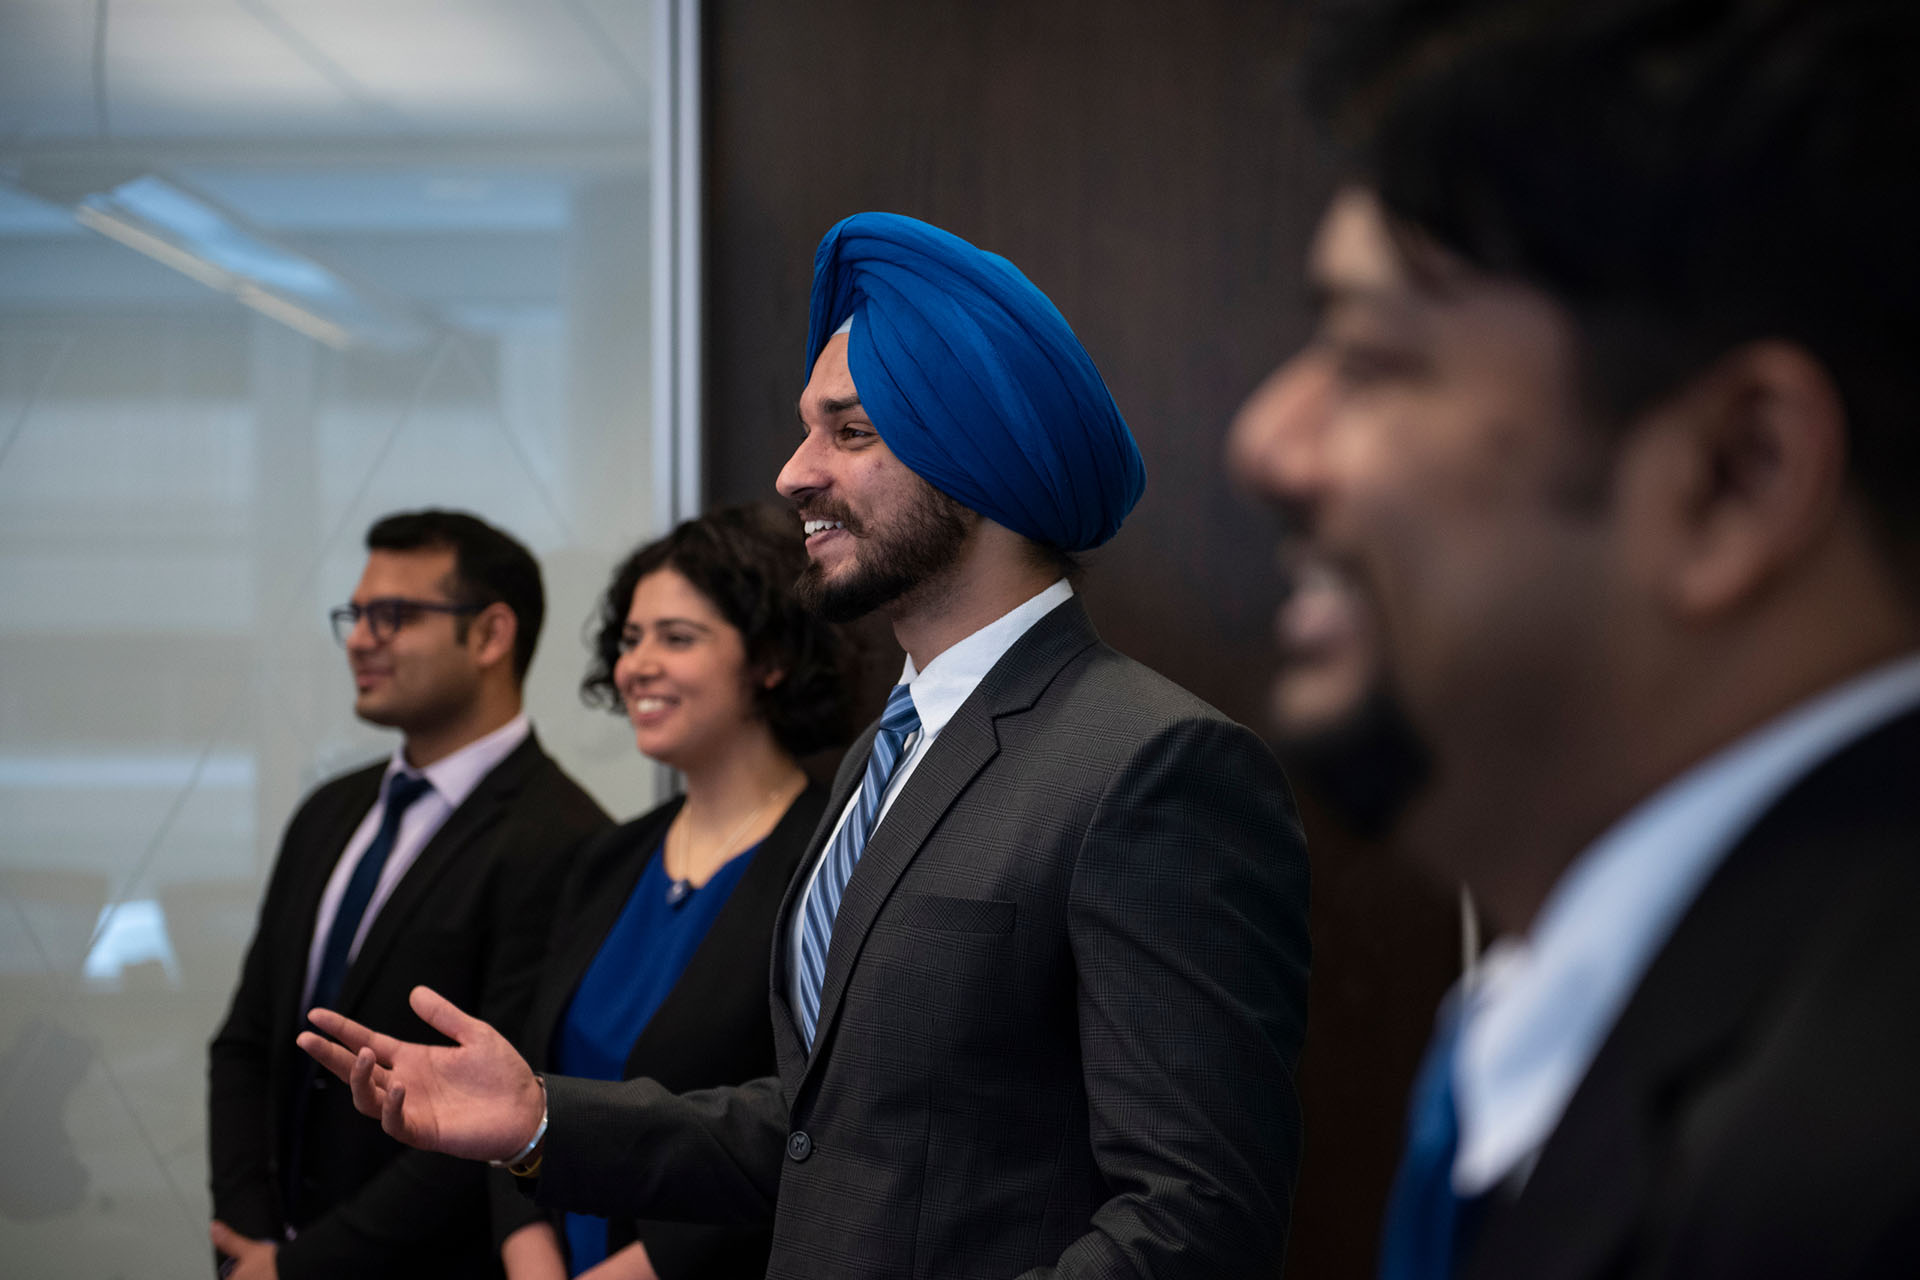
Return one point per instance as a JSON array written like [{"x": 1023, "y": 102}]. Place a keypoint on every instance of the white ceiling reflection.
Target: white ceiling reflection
[
  {"x": 375, "y": 137},
  {"x": 127, "y": 936},
  {"x": 375, "y": 199},
  {"x": 326, "y": 116},
  {"x": 130, "y": 69}
]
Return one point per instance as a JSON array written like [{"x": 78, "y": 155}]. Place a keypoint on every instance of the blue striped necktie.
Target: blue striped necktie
[{"x": 897, "y": 723}]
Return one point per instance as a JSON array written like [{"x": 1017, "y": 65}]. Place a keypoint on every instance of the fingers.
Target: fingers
[
  {"x": 230, "y": 1242},
  {"x": 368, "y": 1081},
  {"x": 362, "y": 1071},
  {"x": 444, "y": 1016},
  {"x": 352, "y": 1034},
  {"x": 335, "y": 1058},
  {"x": 393, "y": 1116}
]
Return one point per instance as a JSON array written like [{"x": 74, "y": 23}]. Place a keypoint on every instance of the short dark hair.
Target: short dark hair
[
  {"x": 489, "y": 567},
  {"x": 1683, "y": 176},
  {"x": 744, "y": 560}
]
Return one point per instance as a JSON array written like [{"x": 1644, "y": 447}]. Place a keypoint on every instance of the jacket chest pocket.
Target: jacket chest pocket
[
  {"x": 961, "y": 964},
  {"x": 944, "y": 914}
]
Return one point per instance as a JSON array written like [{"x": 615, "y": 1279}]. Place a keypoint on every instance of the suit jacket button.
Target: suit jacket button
[{"x": 799, "y": 1145}]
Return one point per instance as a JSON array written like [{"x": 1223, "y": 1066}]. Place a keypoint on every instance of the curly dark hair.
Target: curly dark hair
[{"x": 744, "y": 560}]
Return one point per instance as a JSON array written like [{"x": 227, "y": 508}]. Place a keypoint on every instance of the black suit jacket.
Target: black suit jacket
[
  {"x": 711, "y": 1030},
  {"x": 1061, "y": 1013},
  {"x": 1753, "y": 1112},
  {"x": 470, "y": 919}
]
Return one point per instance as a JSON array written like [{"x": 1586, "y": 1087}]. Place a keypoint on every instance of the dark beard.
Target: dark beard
[
  {"x": 1367, "y": 768},
  {"x": 890, "y": 562}
]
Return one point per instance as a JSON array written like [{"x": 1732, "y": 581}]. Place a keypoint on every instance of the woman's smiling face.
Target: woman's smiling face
[{"x": 682, "y": 672}]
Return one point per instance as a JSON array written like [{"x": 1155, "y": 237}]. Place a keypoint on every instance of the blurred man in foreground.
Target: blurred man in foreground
[{"x": 1610, "y": 420}]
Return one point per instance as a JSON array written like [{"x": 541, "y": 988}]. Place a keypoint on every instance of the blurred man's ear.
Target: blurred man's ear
[
  {"x": 1732, "y": 479},
  {"x": 492, "y": 633}
]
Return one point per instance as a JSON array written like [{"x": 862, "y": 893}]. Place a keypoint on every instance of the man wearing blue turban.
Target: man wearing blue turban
[
  {"x": 974, "y": 380},
  {"x": 1040, "y": 986}
]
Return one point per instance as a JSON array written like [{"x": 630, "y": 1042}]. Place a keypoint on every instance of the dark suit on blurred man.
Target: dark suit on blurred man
[{"x": 1767, "y": 1046}]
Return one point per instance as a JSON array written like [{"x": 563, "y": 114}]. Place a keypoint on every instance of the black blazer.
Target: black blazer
[
  {"x": 711, "y": 1029},
  {"x": 1753, "y": 1112},
  {"x": 469, "y": 919},
  {"x": 1062, "y": 1008}
]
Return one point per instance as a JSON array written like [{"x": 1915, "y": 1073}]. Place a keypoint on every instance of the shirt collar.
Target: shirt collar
[
  {"x": 1540, "y": 1006},
  {"x": 453, "y": 777},
  {"x": 953, "y": 676}
]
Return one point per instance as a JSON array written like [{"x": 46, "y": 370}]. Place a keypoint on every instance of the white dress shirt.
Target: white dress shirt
[
  {"x": 1539, "y": 1007},
  {"x": 937, "y": 693},
  {"x": 450, "y": 781}
]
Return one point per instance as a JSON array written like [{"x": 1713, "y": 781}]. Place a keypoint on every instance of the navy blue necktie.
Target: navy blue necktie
[
  {"x": 1428, "y": 1225},
  {"x": 402, "y": 790},
  {"x": 817, "y": 913}
]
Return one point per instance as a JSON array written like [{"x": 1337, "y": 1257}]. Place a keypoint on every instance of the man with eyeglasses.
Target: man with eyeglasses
[{"x": 439, "y": 865}]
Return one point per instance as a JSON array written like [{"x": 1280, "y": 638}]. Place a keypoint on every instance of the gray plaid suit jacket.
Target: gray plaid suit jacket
[{"x": 1062, "y": 1009}]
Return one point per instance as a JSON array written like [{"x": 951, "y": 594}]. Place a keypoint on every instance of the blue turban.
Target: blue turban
[{"x": 974, "y": 380}]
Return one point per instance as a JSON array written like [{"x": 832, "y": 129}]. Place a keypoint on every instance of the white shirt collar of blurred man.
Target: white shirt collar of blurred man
[{"x": 1537, "y": 1008}]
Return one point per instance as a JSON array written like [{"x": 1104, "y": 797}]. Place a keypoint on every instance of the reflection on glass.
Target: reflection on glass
[
  {"x": 203, "y": 241},
  {"x": 129, "y": 935}
]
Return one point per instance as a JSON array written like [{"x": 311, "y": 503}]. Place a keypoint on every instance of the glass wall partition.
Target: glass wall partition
[{"x": 269, "y": 269}]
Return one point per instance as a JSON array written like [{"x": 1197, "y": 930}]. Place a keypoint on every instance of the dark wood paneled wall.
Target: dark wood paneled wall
[{"x": 1145, "y": 164}]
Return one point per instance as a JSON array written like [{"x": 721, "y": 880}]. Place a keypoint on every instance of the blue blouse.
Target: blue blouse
[{"x": 642, "y": 958}]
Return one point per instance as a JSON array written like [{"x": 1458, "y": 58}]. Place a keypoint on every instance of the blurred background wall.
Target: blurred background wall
[{"x": 1146, "y": 164}]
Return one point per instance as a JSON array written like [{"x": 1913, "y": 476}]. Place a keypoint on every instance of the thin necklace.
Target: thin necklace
[{"x": 679, "y": 888}]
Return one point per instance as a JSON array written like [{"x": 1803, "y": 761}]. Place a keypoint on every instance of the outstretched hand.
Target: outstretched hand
[{"x": 476, "y": 1098}]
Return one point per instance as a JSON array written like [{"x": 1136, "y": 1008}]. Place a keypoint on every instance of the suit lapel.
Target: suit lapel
[
  {"x": 1691, "y": 1016},
  {"x": 323, "y": 849},
  {"x": 1596, "y": 1176},
  {"x": 714, "y": 968},
  {"x": 965, "y": 746},
  {"x": 593, "y": 905},
  {"x": 475, "y": 814}
]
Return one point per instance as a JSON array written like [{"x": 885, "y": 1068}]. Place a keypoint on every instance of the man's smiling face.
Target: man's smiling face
[
  {"x": 875, "y": 531},
  {"x": 1431, "y": 453}
]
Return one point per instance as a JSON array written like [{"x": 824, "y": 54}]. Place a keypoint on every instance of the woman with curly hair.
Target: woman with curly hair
[{"x": 657, "y": 966}]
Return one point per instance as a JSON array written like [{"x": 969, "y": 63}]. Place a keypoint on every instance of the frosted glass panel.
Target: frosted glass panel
[{"x": 187, "y": 471}]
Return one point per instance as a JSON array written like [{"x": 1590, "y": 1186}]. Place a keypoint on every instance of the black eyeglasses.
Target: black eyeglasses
[{"x": 386, "y": 617}]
